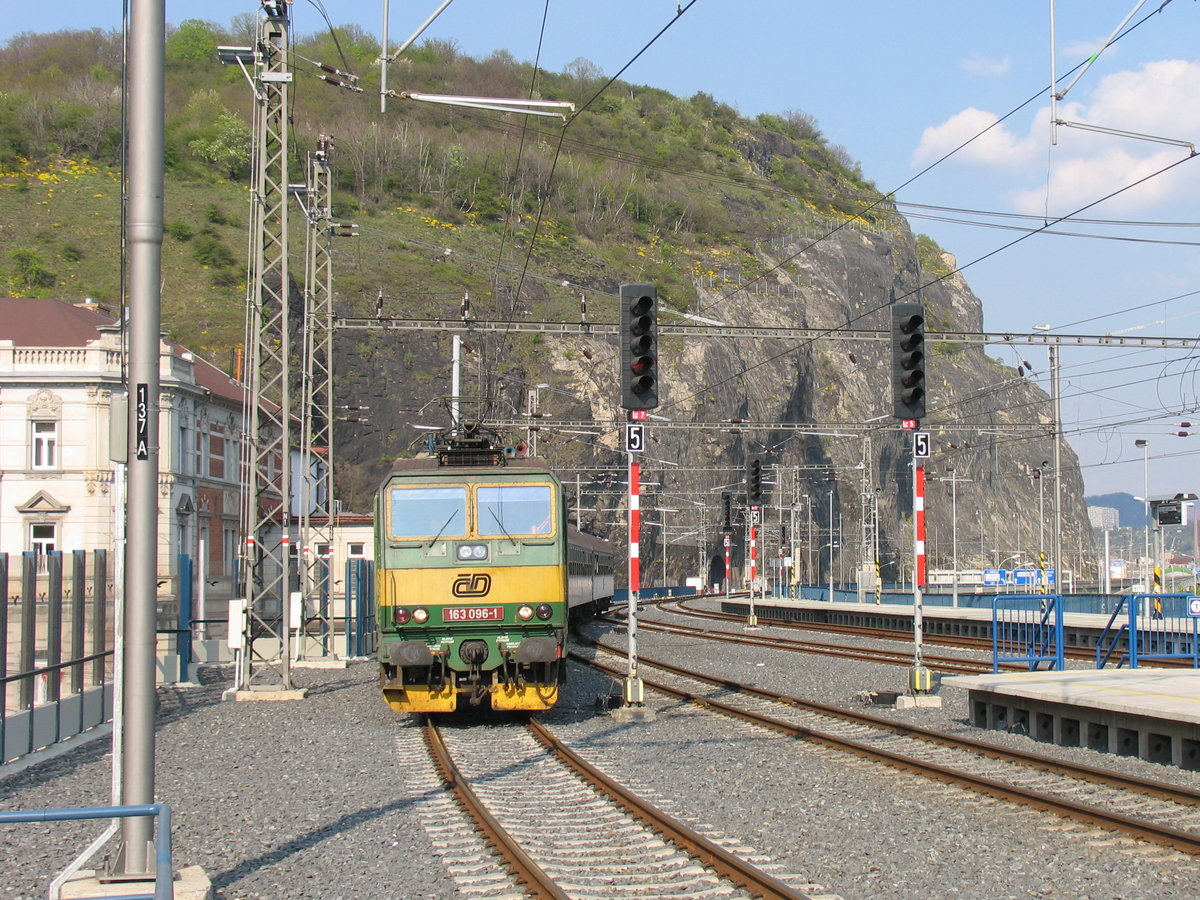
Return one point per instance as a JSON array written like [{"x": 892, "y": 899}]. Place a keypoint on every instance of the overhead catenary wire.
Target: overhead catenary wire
[{"x": 526, "y": 273}]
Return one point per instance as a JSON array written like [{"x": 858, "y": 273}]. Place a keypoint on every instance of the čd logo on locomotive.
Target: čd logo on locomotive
[{"x": 478, "y": 584}]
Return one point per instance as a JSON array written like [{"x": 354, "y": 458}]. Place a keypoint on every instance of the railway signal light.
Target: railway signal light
[
  {"x": 727, "y": 502},
  {"x": 908, "y": 361},
  {"x": 754, "y": 482},
  {"x": 639, "y": 346}
]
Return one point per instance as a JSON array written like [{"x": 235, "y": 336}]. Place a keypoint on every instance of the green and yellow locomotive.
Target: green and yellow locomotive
[{"x": 477, "y": 576}]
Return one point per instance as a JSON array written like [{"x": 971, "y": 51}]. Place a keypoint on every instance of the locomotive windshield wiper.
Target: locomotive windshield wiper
[
  {"x": 443, "y": 528},
  {"x": 502, "y": 528}
]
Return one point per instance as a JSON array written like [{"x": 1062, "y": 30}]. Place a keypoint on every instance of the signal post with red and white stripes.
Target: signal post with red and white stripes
[
  {"x": 920, "y": 680},
  {"x": 755, "y": 512},
  {"x": 919, "y": 674},
  {"x": 634, "y": 694}
]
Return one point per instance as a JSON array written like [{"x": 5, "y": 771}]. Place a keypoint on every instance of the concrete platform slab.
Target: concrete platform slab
[
  {"x": 1153, "y": 714},
  {"x": 328, "y": 663},
  {"x": 632, "y": 713},
  {"x": 190, "y": 883},
  {"x": 918, "y": 701},
  {"x": 271, "y": 695}
]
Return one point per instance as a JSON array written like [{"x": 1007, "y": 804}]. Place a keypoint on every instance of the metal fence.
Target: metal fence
[
  {"x": 56, "y": 652},
  {"x": 1152, "y": 626},
  {"x": 57, "y": 623},
  {"x": 1027, "y": 629},
  {"x": 360, "y": 608}
]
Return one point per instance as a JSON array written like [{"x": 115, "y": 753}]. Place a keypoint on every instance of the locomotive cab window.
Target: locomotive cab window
[
  {"x": 427, "y": 512},
  {"x": 514, "y": 510}
]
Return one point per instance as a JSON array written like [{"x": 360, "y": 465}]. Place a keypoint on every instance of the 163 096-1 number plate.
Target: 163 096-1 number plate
[{"x": 472, "y": 613}]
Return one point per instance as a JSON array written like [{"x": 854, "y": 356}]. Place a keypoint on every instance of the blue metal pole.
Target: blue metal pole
[{"x": 186, "y": 587}]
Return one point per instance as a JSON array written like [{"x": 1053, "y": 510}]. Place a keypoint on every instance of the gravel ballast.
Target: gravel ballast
[{"x": 305, "y": 799}]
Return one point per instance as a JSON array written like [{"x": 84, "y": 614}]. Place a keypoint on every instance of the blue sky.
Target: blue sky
[{"x": 899, "y": 84}]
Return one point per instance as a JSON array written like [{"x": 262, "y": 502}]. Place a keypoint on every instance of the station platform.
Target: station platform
[
  {"x": 1080, "y": 630},
  {"x": 1153, "y": 714},
  {"x": 1150, "y": 713}
]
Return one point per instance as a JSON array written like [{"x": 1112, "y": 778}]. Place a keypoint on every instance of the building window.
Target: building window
[
  {"x": 184, "y": 449},
  {"x": 216, "y": 456},
  {"x": 42, "y": 540},
  {"x": 356, "y": 549},
  {"x": 230, "y": 539},
  {"x": 323, "y": 551},
  {"x": 200, "y": 441},
  {"x": 45, "y": 445}
]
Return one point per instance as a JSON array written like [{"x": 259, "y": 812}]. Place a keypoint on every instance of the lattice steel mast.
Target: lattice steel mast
[
  {"x": 317, "y": 506},
  {"x": 265, "y": 567}
]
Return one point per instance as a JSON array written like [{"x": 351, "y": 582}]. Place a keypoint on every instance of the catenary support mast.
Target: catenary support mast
[
  {"x": 265, "y": 569},
  {"x": 317, "y": 506}
]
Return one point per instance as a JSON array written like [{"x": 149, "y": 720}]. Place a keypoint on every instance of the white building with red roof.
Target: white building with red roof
[{"x": 61, "y": 365}]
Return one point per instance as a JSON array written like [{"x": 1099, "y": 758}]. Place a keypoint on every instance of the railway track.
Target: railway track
[
  {"x": 683, "y": 607},
  {"x": 947, "y": 664},
  {"x": 566, "y": 830},
  {"x": 1142, "y": 808}
]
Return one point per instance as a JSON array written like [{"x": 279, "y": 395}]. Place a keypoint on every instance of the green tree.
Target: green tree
[
  {"x": 226, "y": 145},
  {"x": 31, "y": 275},
  {"x": 193, "y": 41}
]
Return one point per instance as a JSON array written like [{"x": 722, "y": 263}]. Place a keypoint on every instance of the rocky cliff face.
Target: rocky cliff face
[{"x": 990, "y": 428}]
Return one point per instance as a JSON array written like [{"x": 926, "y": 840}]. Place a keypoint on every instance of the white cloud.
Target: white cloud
[
  {"x": 997, "y": 147},
  {"x": 1160, "y": 99},
  {"x": 985, "y": 67},
  {"x": 1075, "y": 182},
  {"x": 1157, "y": 99}
]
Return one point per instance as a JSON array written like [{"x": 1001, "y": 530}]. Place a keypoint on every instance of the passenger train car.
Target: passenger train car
[{"x": 477, "y": 575}]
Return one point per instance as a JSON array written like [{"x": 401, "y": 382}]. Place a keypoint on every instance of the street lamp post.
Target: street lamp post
[
  {"x": 1148, "y": 569},
  {"x": 832, "y": 542},
  {"x": 1038, "y": 474},
  {"x": 954, "y": 535},
  {"x": 831, "y": 545},
  {"x": 808, "y": 564}
]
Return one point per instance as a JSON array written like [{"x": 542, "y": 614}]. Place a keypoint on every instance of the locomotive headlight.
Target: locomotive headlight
[
  {"x": 420, "y": 615},
  {"x": 472, "y": 551},
  {"x": 400, "y": 615},
  {"x": 524, "y": 612},
  {"x": 544, "y": 611}
]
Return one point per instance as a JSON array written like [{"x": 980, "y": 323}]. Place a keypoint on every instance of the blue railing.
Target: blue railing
[
  {"x": 1155, "y": 626},
  {"x": 1027, "y": 629},
  {"x": 360, "y": 607},
  {"x": 163, "y": 885}
]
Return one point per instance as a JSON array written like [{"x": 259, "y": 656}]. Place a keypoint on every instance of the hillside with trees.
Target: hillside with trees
[
  {"x": 753, "y": 221},
  {"x": 642, "y": 186}
]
